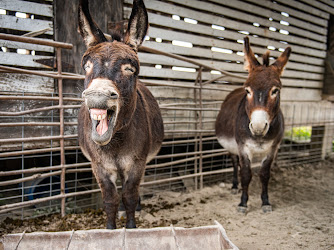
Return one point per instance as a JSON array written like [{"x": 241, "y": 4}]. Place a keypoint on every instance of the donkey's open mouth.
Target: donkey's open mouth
[{"x": 103, "y": 121}]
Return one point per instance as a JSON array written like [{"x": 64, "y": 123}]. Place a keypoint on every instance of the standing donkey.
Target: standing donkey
[
  {"x": 120, "y": 126},
  {"x": 251, "y": 122}
]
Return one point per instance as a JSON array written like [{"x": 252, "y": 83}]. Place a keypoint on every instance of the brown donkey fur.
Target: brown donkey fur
[
  {"x": 120, "y": 126},
  {"x": 250, "y": 122}
]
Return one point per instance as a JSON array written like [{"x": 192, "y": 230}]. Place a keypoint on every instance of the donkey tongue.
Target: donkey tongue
[
  {"x": 103, "y": 124},
  {"x": 102, "y": 127}
]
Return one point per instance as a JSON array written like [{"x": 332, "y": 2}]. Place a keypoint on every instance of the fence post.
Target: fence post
[{"x": 61, "y": 132}]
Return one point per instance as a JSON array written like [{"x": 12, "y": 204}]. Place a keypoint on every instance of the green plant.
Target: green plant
[{"x": 299, "y": 133}]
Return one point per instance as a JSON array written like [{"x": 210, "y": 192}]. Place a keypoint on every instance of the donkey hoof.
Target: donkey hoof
[
  {"x": 234, "y": 191},
  {"x": 242, "y": 209},
  {"x": 130, "y": 224},
  {"x": 267, "y": 208},
  {"x": 111, "y": 226}
]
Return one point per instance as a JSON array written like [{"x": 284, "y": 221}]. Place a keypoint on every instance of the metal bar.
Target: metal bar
[
  {"x": 184, "y": 86},
  {"x": 187, "y": 141},
  {"x": 10, "y": 207},
  {"x": 36, "y": 41},
  {"x": 191, "y": 109},
  {"x": 42, "y": 169},
  {"x": 61, "y": 133},
  {"x": 188, "y": 104},
  {"x": 36, "y": 151},
  {"x": 42, "y": 98},
  {"x": 24, "y": 179},
  {"x": 38, "y": 110},
  {"x": 5, "y": 69},
  {"x": 200, "y": 118},
  {"x": 190, "y": 131},
  {"x": 26, "y": 124},
  {"x": 183, "y": 160},
  {"x": 42, "y": 138},
  {"x": 196, "y": 134},
  {"x": 186, "y": 122},
  {"x": 190, "y": 153}
]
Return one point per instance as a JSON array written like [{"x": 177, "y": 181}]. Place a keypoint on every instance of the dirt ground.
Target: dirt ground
[{"x": 302, "y": 217}]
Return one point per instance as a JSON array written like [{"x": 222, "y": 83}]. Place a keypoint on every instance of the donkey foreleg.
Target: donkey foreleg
[
  {"x": 246, "y": 177},
  {"x": 264, "y": 177},
  {"x": 107, "y": 183},
  {"x": 235, "y": 182},
  {"x": 130, "y": 193}
]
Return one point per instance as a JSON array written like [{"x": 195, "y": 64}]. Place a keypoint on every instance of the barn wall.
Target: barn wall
[
  {"x": 66, "y": 30},
  {"x": 21, "y": 18},
  {"x": 269, "y": 25}
]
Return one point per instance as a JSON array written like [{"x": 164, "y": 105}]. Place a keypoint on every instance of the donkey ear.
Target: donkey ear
[
  {"x": 138, "y": 25},
  {"x": 88, "y": 29},
  {"x": 250, "y": 60},
  {"x": 282, "y": 60}
]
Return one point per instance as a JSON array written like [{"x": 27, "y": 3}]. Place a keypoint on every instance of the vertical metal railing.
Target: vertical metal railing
[{"x": 61, "y": 131}]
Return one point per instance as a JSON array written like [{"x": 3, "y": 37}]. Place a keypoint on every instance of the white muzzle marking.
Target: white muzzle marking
[{"x": 259, "y": 122}]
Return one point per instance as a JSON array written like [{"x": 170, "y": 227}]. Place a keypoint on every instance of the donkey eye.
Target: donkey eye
[
  {"x": 248, "y": 91},
  {"x": 87, "y": 67},
  {"x": 274, "y": 92},
  {"x": 128, "y": 69}
]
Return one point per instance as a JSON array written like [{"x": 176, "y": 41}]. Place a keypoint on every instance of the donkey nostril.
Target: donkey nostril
[{"x": 113, "y": 95}]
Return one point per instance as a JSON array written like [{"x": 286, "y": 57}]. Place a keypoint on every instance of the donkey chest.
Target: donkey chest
[{"x": 252, "y": 147}]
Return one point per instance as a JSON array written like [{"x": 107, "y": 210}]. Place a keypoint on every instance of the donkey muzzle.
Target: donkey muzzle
[
  {"x": 103, "y": 109},
  {"x": 259, "y": 123}
]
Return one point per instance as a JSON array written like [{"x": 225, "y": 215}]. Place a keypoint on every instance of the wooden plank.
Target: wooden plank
[
  {"x": 104, "y": 13},
  {"x": 266, "y": 4},
  {"x": 174, "y": 74},
  {"x": 269, "y": 8},
  {"x": 301, "y": 83},
  {"x": 288, "y": 93},
  {"x": 27, "y": 7},
  {"x": 162, "y": 94},
  {"x": 207, "y": 53},
  {"x": 305, "y": 8},
  {"x": 318, "y": 27},
  {"x": 207, "y": 30},
  {"x": 319, "y": 5},
  {"x": 228, "y": 66},
  {"x": 285, "y": 82},
  {"x": 28, "y": 46},
  {"x": 25, "y": 83},
  {"x": 170, "y": 35},
  {"x": 234, "y": 25},
  {"x": 258, "y": 15},
  {"x": 25, "y": 24},
  {"x": 328, "y": 2},
  {"x": 21, "y": 60}
]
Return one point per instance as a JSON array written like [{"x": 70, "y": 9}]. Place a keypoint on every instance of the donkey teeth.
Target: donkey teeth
[{"x": 98, "y": 117}]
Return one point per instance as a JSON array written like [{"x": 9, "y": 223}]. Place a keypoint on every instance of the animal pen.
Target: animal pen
[{"x": 191, "y": 59}]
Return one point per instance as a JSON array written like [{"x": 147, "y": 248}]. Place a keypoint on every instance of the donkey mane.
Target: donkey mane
[{"x": 265, "y": 58}]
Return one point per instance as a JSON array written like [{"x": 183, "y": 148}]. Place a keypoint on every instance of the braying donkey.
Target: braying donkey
[
  {"x": 250, "y": 122},
  {"x": 120, "y": 126}
]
